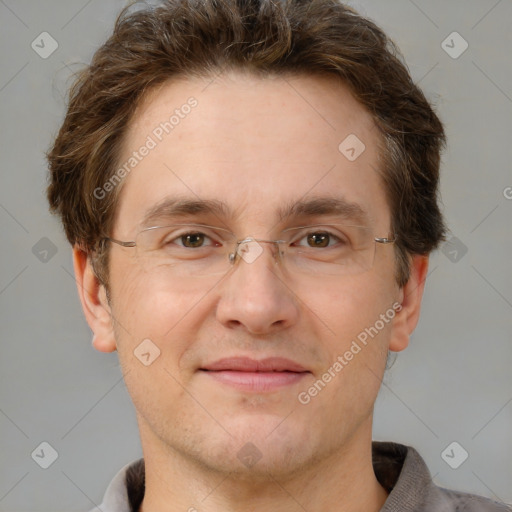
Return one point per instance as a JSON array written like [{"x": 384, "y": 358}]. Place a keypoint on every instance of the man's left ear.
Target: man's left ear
[{"x": 411, "y": 293}]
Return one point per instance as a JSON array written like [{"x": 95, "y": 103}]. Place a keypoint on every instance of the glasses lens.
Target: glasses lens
[
  {"x": 185, "y": 249},
  {"x": 330, "y": 250}
]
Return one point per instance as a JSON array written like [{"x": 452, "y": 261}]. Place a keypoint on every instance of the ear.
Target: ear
[
  {"x": 411, "y": 293},
  {"x": 94, "y": 302}
]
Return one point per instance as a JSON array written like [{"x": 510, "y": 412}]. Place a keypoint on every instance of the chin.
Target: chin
[{"x": 261, "y": 445}]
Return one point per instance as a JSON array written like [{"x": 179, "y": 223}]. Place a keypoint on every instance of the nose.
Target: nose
[{"x": 255, "y": 295}]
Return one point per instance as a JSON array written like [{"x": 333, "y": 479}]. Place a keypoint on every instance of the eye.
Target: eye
[
  {"x": 320, "y": 239},
  {"x": 182, "y": 240},
  {"x": 193, "y": 240}
]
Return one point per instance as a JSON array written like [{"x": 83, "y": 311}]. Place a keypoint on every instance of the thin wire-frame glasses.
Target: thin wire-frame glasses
[{"x": 201, "y": 250}]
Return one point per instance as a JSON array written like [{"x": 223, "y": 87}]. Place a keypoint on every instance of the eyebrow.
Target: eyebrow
[
  {"x": 318, "y": 206},
  {"x": 323, "y": 206},
  {"x": 178, "y": 207}
]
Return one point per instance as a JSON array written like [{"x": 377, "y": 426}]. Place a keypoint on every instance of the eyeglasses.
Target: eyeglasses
[{"x": 201, "y": 250}]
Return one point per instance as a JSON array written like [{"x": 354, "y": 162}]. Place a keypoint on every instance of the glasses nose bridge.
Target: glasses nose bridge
[{"x": 249, "y": 249}]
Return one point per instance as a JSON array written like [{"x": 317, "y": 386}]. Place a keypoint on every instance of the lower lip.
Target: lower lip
[{"x": 256, "y": 381}]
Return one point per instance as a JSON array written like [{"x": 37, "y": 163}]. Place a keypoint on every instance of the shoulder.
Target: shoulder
[
  {"x": 402, "y": 471},
  {"x": 452, "y": 501},
  {"x": 441, "y": 499}
]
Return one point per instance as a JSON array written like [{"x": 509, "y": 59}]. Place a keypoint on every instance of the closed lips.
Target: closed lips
[{"x": 246, "y": 364}]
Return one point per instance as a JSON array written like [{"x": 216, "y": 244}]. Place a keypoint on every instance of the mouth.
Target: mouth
[{"x": 255, "y": 375}]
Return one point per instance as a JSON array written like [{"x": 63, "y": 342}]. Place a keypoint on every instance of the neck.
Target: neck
[{"x": 343, "y": 481}]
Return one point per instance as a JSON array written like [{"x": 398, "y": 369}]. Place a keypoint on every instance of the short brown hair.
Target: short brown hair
[{"x": 199, "y": 38}]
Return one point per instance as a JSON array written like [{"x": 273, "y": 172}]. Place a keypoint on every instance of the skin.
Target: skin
[{"x": 256, "y": 144}]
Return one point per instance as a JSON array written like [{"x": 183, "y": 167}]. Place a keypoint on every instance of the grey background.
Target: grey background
[{"x": 452, "y": 384}]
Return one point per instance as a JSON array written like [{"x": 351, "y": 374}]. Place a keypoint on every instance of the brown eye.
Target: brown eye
[
  {"x": 318, "y": 239},
  {"x": 193, "y": 240}
]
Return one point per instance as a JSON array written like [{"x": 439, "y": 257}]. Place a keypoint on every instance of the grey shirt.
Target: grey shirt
[{"x": 398, "y": 468}]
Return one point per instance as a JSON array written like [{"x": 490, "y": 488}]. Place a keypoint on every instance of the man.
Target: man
[{"x": 250, "y": 188}]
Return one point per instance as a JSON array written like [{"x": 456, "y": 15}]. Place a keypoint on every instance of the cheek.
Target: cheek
[
  {"x": 354, "y": 336},
  {"x": 356, "y": 344},
  {"x": 351, "y": 306},
  {"x": 150, "y": 307},
  {"x": 149, "y": 303}
]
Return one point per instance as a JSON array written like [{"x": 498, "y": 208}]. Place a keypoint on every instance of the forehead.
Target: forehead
[{"x": 255, "y": 144}]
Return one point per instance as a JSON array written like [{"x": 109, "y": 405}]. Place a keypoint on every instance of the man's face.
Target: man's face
[{"x": 258, "y": 146}]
